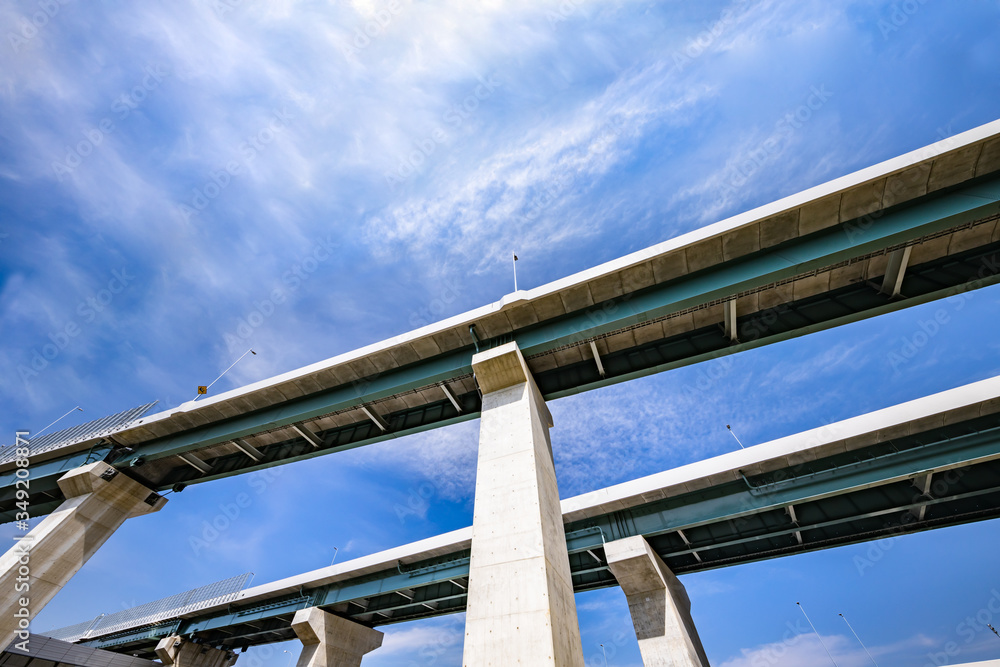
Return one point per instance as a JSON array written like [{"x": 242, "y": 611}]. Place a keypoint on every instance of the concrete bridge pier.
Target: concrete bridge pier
[
  {"x": 331, "y": 641},
  {"x": 173, "y": 650},
  {"x": 521, "y": 609},
  {"x": 98, "y": 500},
  {"x": 659, "y": 604}
]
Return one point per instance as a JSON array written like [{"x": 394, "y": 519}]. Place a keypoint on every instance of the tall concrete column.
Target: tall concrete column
[
  {"x": 98, "y": 500},
  {"x": 331, "y": 641},
  {"x": 174, "y": 650},
  {"x": 660, "y": 607},
  {"x": 521, "y": 609}
]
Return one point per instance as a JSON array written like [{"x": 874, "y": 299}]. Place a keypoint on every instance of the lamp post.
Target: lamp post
[
  {"x": 859, "y": 639},
  {"x": 817, "y": 635}
]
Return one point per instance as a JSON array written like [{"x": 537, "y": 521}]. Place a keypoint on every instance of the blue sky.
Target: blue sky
[{"x": 180, "y": 181}]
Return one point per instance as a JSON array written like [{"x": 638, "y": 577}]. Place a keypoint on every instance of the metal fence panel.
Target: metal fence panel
[
  {"x": 220, "y": 592},
  {"x": 70, "y": 436}
]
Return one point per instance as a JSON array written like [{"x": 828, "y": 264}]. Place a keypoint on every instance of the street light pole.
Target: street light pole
[
  {"x": 859, "y": 639},
  {"x": 817, "y": 635}
]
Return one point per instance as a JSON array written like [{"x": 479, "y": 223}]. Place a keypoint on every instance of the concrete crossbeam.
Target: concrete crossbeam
[
  {"x": 659, "y": 604},
  {"x": 521, "y": 609},
  {"x": 173, "y": 650},
  {"x": 331, "y": 641},
  {"x": 98, "y": 500}
]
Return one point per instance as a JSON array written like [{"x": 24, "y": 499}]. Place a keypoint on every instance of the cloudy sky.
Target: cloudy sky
[{"x": 182, "y": 180}]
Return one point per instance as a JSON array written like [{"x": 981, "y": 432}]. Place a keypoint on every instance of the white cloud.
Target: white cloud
[{"x": 808, "y": 649}]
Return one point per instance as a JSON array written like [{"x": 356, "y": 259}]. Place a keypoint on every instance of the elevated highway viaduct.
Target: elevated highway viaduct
[{"x": 916, "y": 228}]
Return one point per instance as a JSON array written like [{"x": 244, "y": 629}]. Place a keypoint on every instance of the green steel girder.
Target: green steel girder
[
  {"x": 146, "y": 634},
  {"x": 428, "y": 372},
  {"x": 933, "y": 213},
  {"x": 402, "y": 423}
]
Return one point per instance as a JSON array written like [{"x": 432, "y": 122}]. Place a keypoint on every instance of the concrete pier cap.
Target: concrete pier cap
[
  {"x": 178, "y": 652},
  {"x": 658, "y": 603},
  {"x": 329, "y": 640}
]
